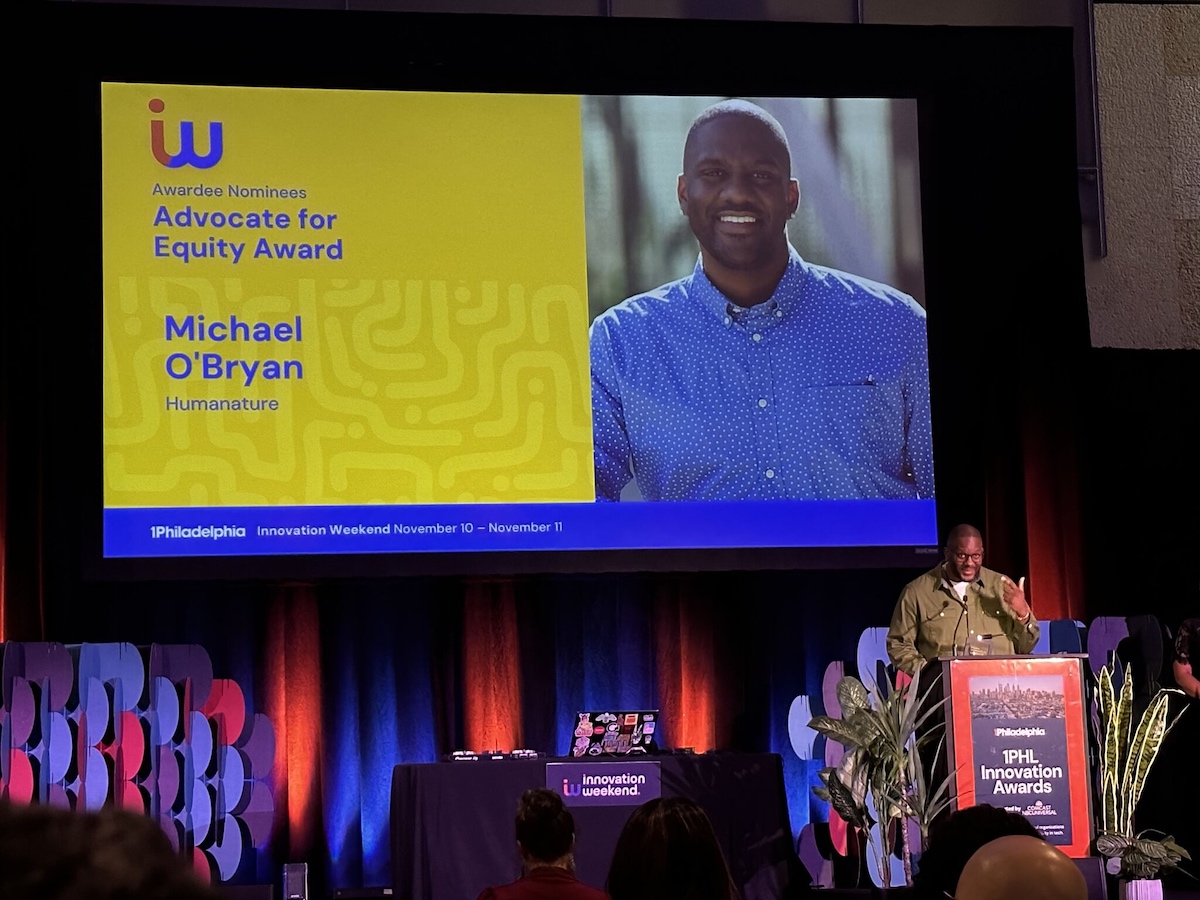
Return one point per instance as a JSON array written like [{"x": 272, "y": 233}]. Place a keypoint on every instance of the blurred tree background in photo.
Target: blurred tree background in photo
[{"x": 855, "y": 158}]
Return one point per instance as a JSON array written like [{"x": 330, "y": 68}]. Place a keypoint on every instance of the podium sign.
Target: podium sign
[{"x": 1016, "y": 740}]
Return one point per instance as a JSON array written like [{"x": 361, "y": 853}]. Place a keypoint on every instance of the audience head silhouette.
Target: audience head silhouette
[
  {"x": 545, "y": 829},
  {"x": 954, "y": 840},
  {"x": 55, "y": 854},
  {"x": 546, "y": 839},
  {"x": 668, "y": 849},
  {"x": 1020, "y": 866}
]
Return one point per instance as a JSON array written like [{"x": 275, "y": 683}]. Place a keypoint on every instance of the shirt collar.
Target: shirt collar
[
  {"x": 940, "y": 574},
  {"x": 550, "y": 873},
  {"x": 785, "y": 297}
]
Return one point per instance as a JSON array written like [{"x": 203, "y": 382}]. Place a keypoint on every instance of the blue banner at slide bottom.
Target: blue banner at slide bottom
[
  {"x": 609, "y": 783},
  {"x": 271, "y": 530}
]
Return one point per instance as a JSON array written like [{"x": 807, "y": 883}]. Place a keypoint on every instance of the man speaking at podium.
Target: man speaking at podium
[{"x": 959, "y": 608}]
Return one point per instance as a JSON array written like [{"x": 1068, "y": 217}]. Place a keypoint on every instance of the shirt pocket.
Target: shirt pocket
[{"x": 858, "y": 427}]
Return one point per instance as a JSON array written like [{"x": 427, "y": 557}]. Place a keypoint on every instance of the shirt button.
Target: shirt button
[
  {"x": 943, "y": 615},
  {"x": 728, "y": 320},
  {"x": 970, "y": 632},
  {"x": 762, "y": 404},
  {"x": 757, "y": 337},
  {"x": 779, "y": 313},
  {"x": 770, "y": 473}
]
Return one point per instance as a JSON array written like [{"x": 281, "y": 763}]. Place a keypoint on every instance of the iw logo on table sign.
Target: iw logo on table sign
[
  {"x": 608, "y": 783},
  {"x": 187, "y": 155}
]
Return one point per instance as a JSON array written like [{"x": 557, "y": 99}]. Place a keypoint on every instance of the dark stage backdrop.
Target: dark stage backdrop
[{"x": 360, "y": 675}]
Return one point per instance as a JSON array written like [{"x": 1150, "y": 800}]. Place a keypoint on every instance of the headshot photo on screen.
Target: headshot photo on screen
[{"x": 756, "y": 295}]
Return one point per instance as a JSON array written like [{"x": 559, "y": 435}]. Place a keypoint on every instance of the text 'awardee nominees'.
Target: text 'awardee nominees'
[{"x": 234, "y": 190}]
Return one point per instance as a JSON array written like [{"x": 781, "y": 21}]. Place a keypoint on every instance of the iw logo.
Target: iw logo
[{"x": 187, "y": 155}]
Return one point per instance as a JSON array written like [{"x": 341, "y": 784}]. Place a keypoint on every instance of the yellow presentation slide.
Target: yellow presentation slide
[{"x": 317, "y": 297}]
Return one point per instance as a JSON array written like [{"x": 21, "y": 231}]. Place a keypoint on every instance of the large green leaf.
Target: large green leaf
[
  {"x": 881, "y": 776},
  {"x": 868, "y": 722},
  {"x": 1112, "y": 844},
  {"x": 854, "y": 771},
  {"x": 835, "y": 729},
  {"x": 842, "y": 801},
  {"x": 1152, "y": 849},
  {"x": 851, "y": 695},
  {"x": 1170, "y": 844}
]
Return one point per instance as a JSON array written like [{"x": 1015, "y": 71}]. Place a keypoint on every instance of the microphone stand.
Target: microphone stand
[{"x": 954, "y": 641}]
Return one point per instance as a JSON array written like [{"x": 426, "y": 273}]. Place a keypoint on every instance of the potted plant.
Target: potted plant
[
  {"x": 880, "y": 781},
  {"x": 1124, "y": 760}
]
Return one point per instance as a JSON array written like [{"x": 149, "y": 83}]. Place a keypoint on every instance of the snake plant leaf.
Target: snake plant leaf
[
  {"x": 837, "y": 730},
  {"x": 1122, "y": 716},
  {"x": 851, "y": 695},
  {"x": 1104, "y": 693},
  {"x": 1108, "y": 800},
  {"x": 1124, "y": 711},
  {"x": 1114, "y": 748},
  {"x": 1142, "y": 752}
]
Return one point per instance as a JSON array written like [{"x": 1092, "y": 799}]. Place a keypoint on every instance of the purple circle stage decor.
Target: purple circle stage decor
[{"x": 149, "y": 729}]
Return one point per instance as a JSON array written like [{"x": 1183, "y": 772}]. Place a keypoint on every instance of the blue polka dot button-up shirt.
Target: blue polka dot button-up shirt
[{"x": 821, "y": 392}]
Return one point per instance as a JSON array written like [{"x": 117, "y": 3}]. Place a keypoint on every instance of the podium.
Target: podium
[{"x": 1016, "y": 738}]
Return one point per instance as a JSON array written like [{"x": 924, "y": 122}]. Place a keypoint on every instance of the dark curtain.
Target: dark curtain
[{"x": 359, "y": 675}]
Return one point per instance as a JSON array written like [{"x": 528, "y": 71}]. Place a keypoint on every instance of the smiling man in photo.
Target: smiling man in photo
[{"x": 759, "y": 376}]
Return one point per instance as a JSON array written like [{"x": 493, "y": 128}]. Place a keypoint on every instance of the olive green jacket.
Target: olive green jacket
[{"x": 929, "y": 620}]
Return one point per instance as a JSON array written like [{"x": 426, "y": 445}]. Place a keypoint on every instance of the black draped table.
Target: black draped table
[{"x": 452, "y": 822}]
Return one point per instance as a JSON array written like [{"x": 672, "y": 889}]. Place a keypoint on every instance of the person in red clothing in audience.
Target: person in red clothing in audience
[
  {"x": 668, "y": 850},
  {"x": 546, "y": 839}
]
